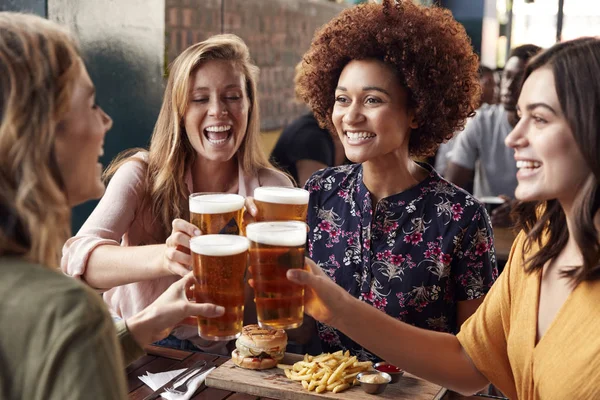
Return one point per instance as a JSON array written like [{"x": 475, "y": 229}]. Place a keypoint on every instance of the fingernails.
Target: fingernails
[
  {"x": 219, "y": 310},
  {"x": 197, "y": 232},
  {"x": 293, "y": 275}
]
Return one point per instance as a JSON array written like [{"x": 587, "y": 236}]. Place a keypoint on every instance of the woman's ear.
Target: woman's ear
[{"x": 412, "y": 118}]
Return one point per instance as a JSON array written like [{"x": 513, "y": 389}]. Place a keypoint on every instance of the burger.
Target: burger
[{"x": 259, "y": 348}]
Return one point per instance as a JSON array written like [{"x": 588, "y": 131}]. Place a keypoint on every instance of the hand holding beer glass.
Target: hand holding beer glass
[
  {"x": 217, "y": 213},
  {"x": 276, "y": 247},
  {"x": 280, "y": 203},
  {"x": 219, "y": 267}
]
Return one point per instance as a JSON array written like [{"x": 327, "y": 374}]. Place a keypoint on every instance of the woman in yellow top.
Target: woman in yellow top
[{"x": 536, "y": 334}]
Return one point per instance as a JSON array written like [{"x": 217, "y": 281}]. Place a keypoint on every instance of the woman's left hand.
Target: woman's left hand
[{"x": 158, "y": 319}]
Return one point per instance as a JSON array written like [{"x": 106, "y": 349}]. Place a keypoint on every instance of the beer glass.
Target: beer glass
[
  {"x": 276, "y": 247},
  {"x": 281, "y": 203},
  {"x": 217, "y": 213},
  {"x": 219, "y": 267}
]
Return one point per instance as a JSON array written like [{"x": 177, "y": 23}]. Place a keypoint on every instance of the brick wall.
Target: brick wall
[{"x": 277, "y": 32}]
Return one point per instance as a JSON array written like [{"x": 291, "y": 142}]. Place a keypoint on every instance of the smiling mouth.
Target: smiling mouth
[
  {"x": 528, "y": 165},
  {"x": 359, "y": 136},
  {"x": 218, "y": 135}
]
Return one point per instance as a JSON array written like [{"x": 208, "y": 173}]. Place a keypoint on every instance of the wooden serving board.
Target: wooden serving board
[{"x": 273, "y": 383}]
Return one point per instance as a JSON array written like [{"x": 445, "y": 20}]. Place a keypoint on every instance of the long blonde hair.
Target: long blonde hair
[
  {"x": 38, "y": 68},
  {"x": 170, "y": 150}
]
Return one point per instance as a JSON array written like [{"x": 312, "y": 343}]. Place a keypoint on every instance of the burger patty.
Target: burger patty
[{"x": 249, "y": 352}]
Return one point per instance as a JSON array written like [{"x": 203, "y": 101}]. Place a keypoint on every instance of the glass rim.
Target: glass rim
[
  {"x": 199, "y": 203},
  {"x": 239, "y": 243},
  {"x": 277, "y": 195},
  {"x": 200, "y": 194},
  {"x": 291, "y": 223},
  {"x": 284, "y": 233}
]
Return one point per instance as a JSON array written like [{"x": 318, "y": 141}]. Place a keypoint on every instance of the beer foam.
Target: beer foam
[
  {"x": 280, "y": 233},
  {"x": 218, "y": 245},
  {"x": 281, "y": 195},
  {"x": 217, "y": 203}
]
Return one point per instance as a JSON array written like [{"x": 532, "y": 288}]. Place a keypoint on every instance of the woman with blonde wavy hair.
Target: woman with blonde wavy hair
[
  {"x": 54, "y": 331},
  {"x": 136, "y": 241}
]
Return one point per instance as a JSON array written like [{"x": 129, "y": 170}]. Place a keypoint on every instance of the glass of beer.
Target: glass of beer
[
  {"x": 281, "y": 203},
  {"x": 219, "y": 267},
  {"x": 217, "y": 213},
  {"x": 276, "y": 247}
]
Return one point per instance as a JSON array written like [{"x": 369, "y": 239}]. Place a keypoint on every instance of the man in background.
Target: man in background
[{"x": 480, "y": 152}]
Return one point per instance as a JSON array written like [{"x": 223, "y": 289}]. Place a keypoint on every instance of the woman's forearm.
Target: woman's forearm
[
  {"x": 434, "y": 356},
  {"x": 109, "y": 266}
]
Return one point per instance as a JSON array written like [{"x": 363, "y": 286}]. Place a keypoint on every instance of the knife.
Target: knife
[{"x": 197, "y": 367}]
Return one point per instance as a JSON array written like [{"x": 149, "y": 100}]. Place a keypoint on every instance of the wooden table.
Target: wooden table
[
  {"x": 503, "y": 240},
  {"x": 160, "y": 359}
]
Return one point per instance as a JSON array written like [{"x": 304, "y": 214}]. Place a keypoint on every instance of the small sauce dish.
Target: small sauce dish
[
  {"x": 389, "y": 369},
  {"x": 373, "y": 382}
]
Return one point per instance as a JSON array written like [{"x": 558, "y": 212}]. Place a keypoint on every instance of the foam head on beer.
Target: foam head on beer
[
  {"x": 215, "y": 203},
  {"x": 217, "y": 213},
  {"x": 281, "y": 203},
  {"x": 219, "y": 263},
  {"x": 278, "y": 233},
  {"x": 276, "y": 247}
]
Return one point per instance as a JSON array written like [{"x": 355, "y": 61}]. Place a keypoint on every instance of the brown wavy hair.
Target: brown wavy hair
[
  {"x": 430, "y": 52},
  {"x": 170, "y": 151},
  {"x": 576, "y": 67},
  {"x": 38, "y": 69}
]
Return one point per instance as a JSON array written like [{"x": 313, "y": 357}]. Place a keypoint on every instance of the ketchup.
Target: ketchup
[{"x": 388, "y": 368}]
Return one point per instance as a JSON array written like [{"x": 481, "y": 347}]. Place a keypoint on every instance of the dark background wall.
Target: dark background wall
[
  {"x": 277, "y": 32},
  {"x": 33, "y": 6},
  {"x": 470, "y": 14},
  {"x": 122, "y": 43}
]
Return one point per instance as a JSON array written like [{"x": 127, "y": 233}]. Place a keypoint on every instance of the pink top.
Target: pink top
[{"x": 118, "y": 220}]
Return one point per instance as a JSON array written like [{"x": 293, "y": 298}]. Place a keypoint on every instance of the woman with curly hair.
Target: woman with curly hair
[
  {"x": 536, "y": 334},
  {"x": 57, "y": 339},
  {"x": 206, "y": 139},
  {"x": 393, "y": 81}
]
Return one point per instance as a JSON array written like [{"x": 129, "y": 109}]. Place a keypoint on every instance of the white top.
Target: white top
[
  {"x": 281, "y": 195},
  {"x": 279, "y": 233}
]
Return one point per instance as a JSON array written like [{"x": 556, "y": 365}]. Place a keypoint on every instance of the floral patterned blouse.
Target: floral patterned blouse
[{"x": 414, "y": 256}]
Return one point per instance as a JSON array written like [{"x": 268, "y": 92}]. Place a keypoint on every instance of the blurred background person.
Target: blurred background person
[
  {"x": 479, "y": 154},
  {"x": 57, "y": 339},
  {"x": 388, "y": 230},
  {"x": 304, "y": 147},
  {"x": 206, "y": 139},
  {"x": 487, "y": 81}
]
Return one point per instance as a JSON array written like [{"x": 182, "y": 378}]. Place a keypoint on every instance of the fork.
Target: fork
[{"x": 182, "y": 388}]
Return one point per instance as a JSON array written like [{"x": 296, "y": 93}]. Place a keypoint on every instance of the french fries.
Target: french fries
[{"x": 332, "y": 372}]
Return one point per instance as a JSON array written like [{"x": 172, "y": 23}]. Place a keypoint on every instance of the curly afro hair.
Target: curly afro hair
[{"x": 430, "y": 52}]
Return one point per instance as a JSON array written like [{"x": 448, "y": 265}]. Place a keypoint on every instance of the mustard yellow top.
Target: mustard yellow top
[{"x": 500, "y": 337}]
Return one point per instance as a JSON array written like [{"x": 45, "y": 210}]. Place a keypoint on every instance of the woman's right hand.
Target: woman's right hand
[
  {"x": 158, "y": 319},
  {"x": 250, "y": 211},
  {"x": 324, "y": 300},
  {"x": 177, "y": 259}
]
